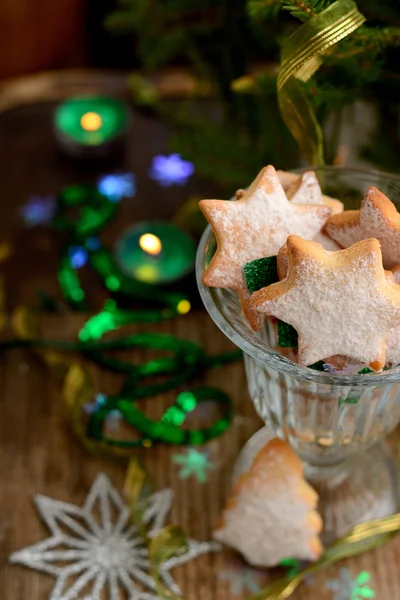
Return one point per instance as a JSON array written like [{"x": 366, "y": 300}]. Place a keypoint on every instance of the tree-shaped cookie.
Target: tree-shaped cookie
[{"x": 271, "y": 514}]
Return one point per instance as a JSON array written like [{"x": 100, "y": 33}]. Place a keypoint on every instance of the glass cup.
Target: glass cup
[{"x": 334, "y": 422}]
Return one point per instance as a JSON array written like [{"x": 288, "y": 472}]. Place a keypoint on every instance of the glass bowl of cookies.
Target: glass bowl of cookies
[{"x": 302, "y": 272}]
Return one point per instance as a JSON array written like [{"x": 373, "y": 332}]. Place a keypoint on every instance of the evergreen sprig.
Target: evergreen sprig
[
  {"x": 225, "y": 41},
  {"x": 305, "y": 9},
  {"x": 301, "y": 9},
  {"x": 263, "y": 9},
  {"x": 367, "y": 40}
]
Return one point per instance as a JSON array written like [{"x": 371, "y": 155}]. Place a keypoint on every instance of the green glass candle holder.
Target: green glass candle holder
[
  {"x": 91, "y": 125},
  {"x": 155, "y": 252}
]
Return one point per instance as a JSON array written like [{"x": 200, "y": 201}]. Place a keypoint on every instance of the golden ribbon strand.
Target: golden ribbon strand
[
  {"x": 302, "y": 55},
  {"x": 365, "y": 536},
  {"x": 167, "y": 543},
  {"x": 317, "y": 45}
]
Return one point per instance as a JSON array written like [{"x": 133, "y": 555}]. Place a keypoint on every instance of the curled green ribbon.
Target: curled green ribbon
[
  {"x": 186, "y": 359},
  {"x": 79, "y": 391},
  {"x": 301, "y": 57}
]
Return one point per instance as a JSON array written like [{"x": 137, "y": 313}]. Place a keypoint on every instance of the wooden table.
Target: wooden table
[{"x": 39, "y": 454}]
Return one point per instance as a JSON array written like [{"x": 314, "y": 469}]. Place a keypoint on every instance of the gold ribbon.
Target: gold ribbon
[
  {"x": 362, "y": 538},
  {"x": 301, "y": 57},
  {"x": 25, "y": 323},
  {"x": 168, "y": 543}
]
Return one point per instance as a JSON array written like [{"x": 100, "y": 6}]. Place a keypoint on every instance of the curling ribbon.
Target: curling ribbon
[
  {"x": 171, "y": 541},
  {"x": 167, "y": 543},
  {"x": 187, "y": 360},
  {"x": 363, "y": 537},
  {"x": 301, "y": 57}
]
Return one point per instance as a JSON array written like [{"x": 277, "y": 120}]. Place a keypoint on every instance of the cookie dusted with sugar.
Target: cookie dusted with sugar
[
  {"x": 338, "y": 302},
  {"x": 377, "y": 218},
  {"x": 272, "y": 512},
  {"x": 393, "y": 337},
  {"x": 305, "y": 189},
  {"x": 255, "y": 226}
]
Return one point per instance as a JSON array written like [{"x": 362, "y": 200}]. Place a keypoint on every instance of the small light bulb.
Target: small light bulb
[
  {"x": 150, "y": 243},
  {"x": 91, "y": 121},
  {"x": 183, "y": 307}
]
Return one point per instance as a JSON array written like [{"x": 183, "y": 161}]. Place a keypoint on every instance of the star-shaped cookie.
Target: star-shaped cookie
[
  {"x": 338, "y": 302},
  {"x": 253, "y": 227},
  {"x": 305, "y": 189},
  {"x": 393, "y": 337},
  {"x": 377, "y": 218}
]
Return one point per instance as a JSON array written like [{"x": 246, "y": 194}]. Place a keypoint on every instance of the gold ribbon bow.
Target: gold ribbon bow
[{"x": 301, "y": 57}]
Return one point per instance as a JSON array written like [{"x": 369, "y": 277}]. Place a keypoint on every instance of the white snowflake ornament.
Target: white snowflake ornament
[{"x": 95, "y": 552}]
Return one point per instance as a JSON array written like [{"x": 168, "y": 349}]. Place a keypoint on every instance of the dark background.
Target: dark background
[{"x": 58, "y": 34}]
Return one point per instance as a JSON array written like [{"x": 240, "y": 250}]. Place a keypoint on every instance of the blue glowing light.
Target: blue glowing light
[
  {"x": 170, "y": 170},
  {"x": 93, "y": 243},
  {"x": 113, "y": 421},
  {"x": 100, "y": 399},
  {"x": 78, "y": 256},
  {"x": 117, "y": 186},
  {"x": 39, "y": 210}
]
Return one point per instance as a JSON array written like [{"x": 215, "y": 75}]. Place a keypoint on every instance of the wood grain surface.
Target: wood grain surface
[{"x": 39, "y": 454}]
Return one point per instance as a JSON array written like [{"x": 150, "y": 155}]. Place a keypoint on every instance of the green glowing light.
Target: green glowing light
[
  {"x": 187, "y": 401},
  {"x": 167, "y": 255},
  {"x": 113, "y": 283},
  {"x": 91, "y": 120}
]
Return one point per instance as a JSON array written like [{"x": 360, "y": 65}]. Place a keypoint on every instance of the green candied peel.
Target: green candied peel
[
  {"x": 287, "y": 335},
  {"x": 261, "y": 273},
  {"x": 349, "y": 400}
]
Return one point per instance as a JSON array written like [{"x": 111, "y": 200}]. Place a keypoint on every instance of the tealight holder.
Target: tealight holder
[
  {"x": 91, "y": 126},
  {"x": 334, "y": 422},
  {"x": 155, "y": 252}
]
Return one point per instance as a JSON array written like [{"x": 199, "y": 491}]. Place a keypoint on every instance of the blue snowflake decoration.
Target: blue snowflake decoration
[
  {"x": 39, "y": 210},
  {"x": 170, "y": 170},
  {"x": 193, "y": 463},
  {"x": 117, "y": 186},
  {"x": 78, "y": 256},
  {"x": 347, "y": 588}
]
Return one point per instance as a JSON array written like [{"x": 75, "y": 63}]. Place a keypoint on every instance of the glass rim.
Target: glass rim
[{"x": 255, "y": 348}]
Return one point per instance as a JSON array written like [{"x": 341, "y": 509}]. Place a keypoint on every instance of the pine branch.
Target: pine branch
[
  {"x": 367, "y": 40},
  {"x": 305, "y": 9},
  {"x": 263, "y": 10}
]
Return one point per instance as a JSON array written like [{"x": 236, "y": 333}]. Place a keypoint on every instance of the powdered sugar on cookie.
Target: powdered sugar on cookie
[
  {"x": 253, "y": 227},
  {"x": 272, "y": 513},
  {"x": 377, "y": 218},
  {"x": 305, "y": 189},
  {"x": 339, "y": 302}
]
